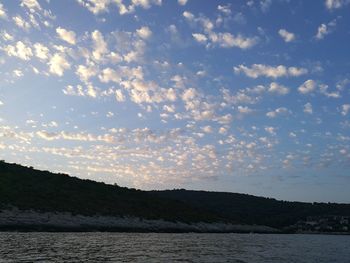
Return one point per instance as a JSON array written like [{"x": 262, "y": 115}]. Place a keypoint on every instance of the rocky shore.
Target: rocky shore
[{"x": 29, "y": 220}]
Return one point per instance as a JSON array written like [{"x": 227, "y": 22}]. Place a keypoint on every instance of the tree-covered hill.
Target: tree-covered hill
[
  {"x": 252, "y": 209},
  {"x": 28, "y": 188}
]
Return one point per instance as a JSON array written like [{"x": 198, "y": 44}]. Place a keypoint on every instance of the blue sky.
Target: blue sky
[{"x": 239, "y": 96}]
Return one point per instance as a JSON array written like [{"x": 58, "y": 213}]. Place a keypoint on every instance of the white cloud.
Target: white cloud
[
  {"x": 41, "y": 51},
  {"x": 335, "y": 4},
  {"x": 324, "y": 29},
  {"x": 85, "y": 73},
  {"x": 225, "y": 9},
  {"x": 20, "y": 22},
  {"x": 119, "y": 95},
  {"x": 6, "y": 36},
  {"x": 207, "y": 129},
  {"x": 257, "y": 70},
  {"x": 227, "y": 40},
  {"x": 31, "y": 5},
  {"x": 287, "y": 36},
  {"x": 182, "y": 2},
  {"x": 332, "y": 94},
  {"x": 100, "y": 46},
  {"x": 307, "y": 87},
  {"x": 17, "y": 73},
  {"x": 188, "y": 15},
  {"x": 101, "y": 6},
  {"x": 278, "y": 89},
  {"x": 200, "y": 37},
  {"x": 277, "y": 112},
  {"x": 3, "y": 14},
  {"x": 20, "y": 50},
  {"x": 244, "y": 109},
  {"x": 308, "y": 108},
  {"x": 270, "y": 130},
  {"x": 144, "y": 32},
  {"x": 345, "y": 109},
  {"x": 66, "y": 35},
  {"x": 58, "y": 64},
  {"x": 95, "y": 6},
  {"x": 221, "y": 39}
]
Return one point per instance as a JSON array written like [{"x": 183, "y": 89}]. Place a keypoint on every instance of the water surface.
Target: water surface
[{"x": 153, "y": 247}]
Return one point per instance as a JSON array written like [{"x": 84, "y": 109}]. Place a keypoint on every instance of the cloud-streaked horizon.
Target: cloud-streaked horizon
[{"x": 159, "y": 94}]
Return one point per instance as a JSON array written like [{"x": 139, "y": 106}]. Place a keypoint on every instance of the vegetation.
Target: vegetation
[
  {"x": 28, "y": 188},
  {"x": 248, "y": 209}
]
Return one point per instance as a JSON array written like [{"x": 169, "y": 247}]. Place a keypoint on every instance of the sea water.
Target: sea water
[{"x": 155, "y": 247}]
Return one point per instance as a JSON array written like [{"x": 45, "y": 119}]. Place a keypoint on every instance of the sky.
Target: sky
[{"x": 238, "y": 96}]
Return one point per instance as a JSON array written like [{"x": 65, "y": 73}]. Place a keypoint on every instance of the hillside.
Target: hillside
[
  {"x": 30, "y": 189},
  {"x": 252, "y": 209}
]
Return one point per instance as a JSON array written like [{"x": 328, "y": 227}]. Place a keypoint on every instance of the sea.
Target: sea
[{"x": 156, "y": 247}]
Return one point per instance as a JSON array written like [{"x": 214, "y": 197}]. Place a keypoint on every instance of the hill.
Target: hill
[
  {"x": 252, "y": 209},
  {"x": 29, "y": 189}
]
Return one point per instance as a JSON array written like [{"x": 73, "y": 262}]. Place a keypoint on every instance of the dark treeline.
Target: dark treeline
[
  {"x": 28, "y": 188},
  {"x": 249, "y": 209}
]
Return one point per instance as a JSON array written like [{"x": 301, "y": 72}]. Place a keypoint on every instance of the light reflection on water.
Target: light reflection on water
[{"x": 153, "y": 247}]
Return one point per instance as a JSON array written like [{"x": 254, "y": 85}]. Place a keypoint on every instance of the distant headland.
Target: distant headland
[{"x": 34, "y": 200}]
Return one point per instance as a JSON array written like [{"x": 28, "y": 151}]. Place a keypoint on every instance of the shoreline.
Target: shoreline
[
  {"x": 16, "y": 220},
  {"x": 29, "y": 221}
]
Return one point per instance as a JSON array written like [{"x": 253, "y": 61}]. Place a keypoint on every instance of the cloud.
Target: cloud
[
  {"x": 307, "y": 87},
  {"x": 221, "y": 39},
  {"x": 3, "y": 14},
  {"x": 188, "y": 15},
  {"x": 66, "y": 35},
  {"x": 88, "y": 91},
  {"x": 345, "y": 109},
  {"x": 278, "y": 89},
  {"x": 324, "y": 29},
  {"x": 144, "y": 32},
  {"x": 257, "y": 70},
  {"x": 81, "y": 136},
  {"x": 100, "y": 46},
  {"x": 335, "y": 4},
  {"x": 277, "y": 112},
  {"x": 6, "y": 36},
  {"x": 182, "y": 2},
  {"x": 102, "y": 6},
  {"x": 58, "y": 64},
  {"x": 244, "y": 110},
  {"x": 95, "y": 6},
  {"x": 41, "y": 51},
  {"x": 31, "y": 5},
  {"x": 200, "y": 37},
  {"x": 20, "y": 50},
  {"x": 308, "y": 108},
  {"x": 119, "y": 95},
  {"x": 265, "y": 5},
  {"x": 85, "y": 73},
  {"x": 20, "y": 22},
  {"x": 287, "y": 36}
]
